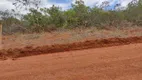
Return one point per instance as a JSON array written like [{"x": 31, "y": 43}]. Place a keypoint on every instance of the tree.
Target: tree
[
  {"x": 81, "y": 12},
  {"x": 10, "y": 23},
  {"x": 35, "y": 21},
  {"x": 55, "y": 15},
  {"x": 26, "y": 3},
  {"x": 134, "y": 12}
]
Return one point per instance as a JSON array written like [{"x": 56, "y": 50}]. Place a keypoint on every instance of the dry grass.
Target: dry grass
[{"x": 67, "y": 36}]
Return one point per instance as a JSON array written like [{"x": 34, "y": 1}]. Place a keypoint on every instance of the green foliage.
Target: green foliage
[
  {"x": 10, "y": 23},
  {"x": 134, "y": 12},
  {"x": 48, "y": 19},
  {"x": 71, "y": 19},
  {"x": 56, "y": 16},
  {"x": 34, "y": 20},
  {"x": 81, "y": 12}
]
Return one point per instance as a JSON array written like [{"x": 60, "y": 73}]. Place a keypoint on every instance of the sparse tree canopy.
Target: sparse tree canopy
[
  {"x": 26, "y": 3},
  {"x": 47, "y": 19}
]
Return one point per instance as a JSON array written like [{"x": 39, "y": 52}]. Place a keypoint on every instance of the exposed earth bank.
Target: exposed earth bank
[{"x": 110, "y": 63}]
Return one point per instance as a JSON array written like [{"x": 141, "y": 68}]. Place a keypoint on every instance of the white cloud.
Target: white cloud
[
  {"x": 7, "y": 4},
  {"x": 47, "y": 4},
  {"x": 124, "y": 3},
  {"x": 93, "y": 2}
]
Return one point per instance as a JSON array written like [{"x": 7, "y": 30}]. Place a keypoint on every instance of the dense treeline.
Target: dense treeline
[{"x": 80, "y": 15}]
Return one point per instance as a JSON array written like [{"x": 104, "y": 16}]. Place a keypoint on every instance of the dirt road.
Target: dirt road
[{"x": 110, "y": 63}]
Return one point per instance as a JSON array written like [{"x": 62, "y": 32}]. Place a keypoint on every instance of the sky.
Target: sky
[{"x": 65, "y": 4}]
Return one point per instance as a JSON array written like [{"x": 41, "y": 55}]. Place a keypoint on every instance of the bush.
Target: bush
[{"x": 49, "y": 19}]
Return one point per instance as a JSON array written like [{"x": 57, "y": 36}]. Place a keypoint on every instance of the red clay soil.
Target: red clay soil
[
  {"x": 109, "y": 63},
  {"x": 29, "y": 50}
]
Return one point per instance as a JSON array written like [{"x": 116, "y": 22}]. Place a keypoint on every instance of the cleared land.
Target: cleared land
[
  {"x": 21, "y": 45},
  {"x": 78, "y": 55},
  {"x": 67, "y": 36},
  {"x": 110, "y": 63}
]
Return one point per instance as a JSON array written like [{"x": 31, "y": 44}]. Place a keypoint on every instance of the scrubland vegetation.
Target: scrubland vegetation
[{"x": 78, "y": 16}]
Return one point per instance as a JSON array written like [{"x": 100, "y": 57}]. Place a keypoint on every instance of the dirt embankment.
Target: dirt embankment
[
  {"x": 29, "y": 50},
  {"x": 108, "y": 63}
]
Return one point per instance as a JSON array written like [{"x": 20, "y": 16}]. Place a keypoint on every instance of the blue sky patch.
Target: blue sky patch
[
  {"x": 60, "y": 1},
  {"x": 65, "y": 4}
]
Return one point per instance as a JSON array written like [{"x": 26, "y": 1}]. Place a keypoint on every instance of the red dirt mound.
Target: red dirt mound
[{"x": 29, "y": 51}]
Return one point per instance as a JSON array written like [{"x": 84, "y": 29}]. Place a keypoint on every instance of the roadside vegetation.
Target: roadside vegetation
[{"x": 78, "y": 16}]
